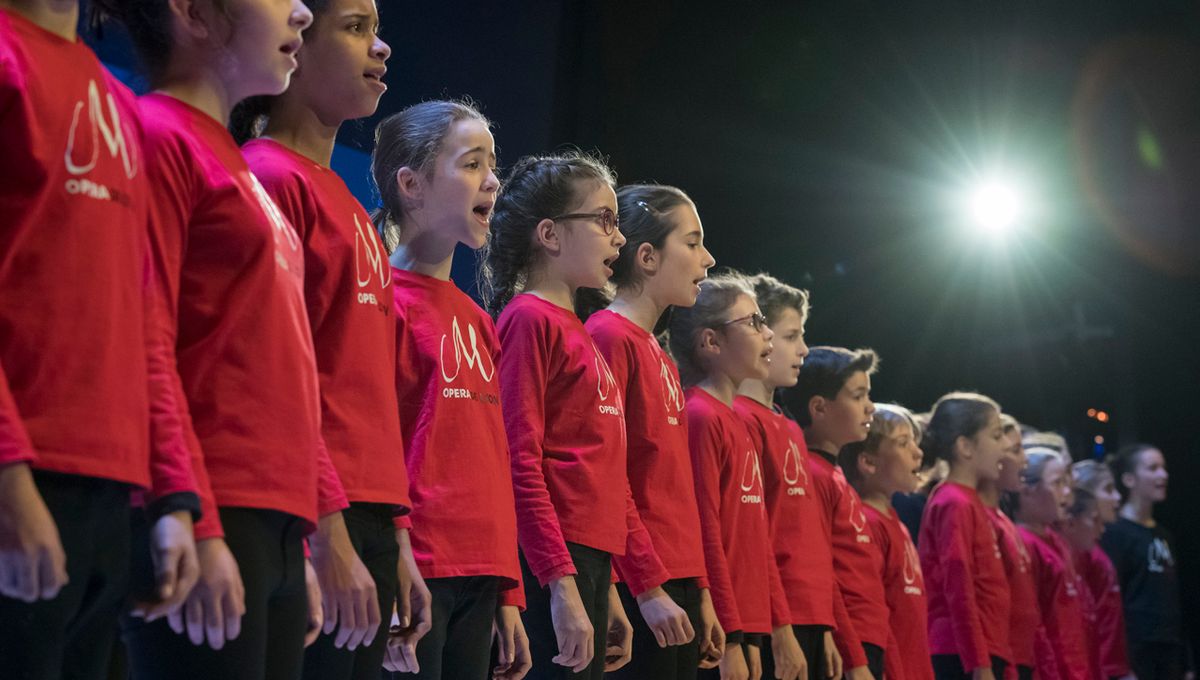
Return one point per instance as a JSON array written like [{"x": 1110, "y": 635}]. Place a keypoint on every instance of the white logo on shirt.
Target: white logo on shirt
[
  {"x": 912, "y": 566},
  {"x": 605, "y": 383},
  {"x": 278, "y": 221},
  {"x": 462, "y": 351},
  {"x": 672, "y": 390},
  {"x": 107, "y": 128},
  {"x": 793, "y": 469},
  {"x": 369, "y": 260},
  {"x": 858, "y": 519},
  {"x": 751, "y": 482},
  {"x": 1159, "y": 556}
]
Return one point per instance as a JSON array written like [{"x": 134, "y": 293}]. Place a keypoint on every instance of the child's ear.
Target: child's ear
[
  {"x": 648, "y": 258},
  {"x": 1128, "y": 479},
  {"x": 867, "y": 464},
  {"x": 546, "y": 234},
  {"x": 409, "y": 186},
  {"x": 962, "y": 448},
  {"x": 190, "y": 19},
  {"x": 817, "y": 407}
]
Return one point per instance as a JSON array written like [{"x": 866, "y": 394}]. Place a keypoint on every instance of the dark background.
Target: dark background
[{"x": 827, "y": 142}]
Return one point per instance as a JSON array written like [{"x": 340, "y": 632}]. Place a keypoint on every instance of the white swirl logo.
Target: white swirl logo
[
  {"x": 107, "y": 128},
  {"x": 282, "y": 227},
  {"x": 751, "y": 473},
  {"x": 793, "y": 468},
  {"x": 672, "y": 390},
  {"x": 912, "y": 563},
  {"x": 468, "y": 351},
  {"x": 605, "y": 382},
  {"x": 368, "y": 256}
]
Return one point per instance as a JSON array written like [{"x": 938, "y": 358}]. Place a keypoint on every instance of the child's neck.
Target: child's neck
[
  {"x": 963, "y": 474},
  {"x": 989, "y": 493},
  {"x": 719, "y": 385},
  {"x": 203, "y": 90},
  {"x": 1036, "y": 526},
  {"x": 423, "y": 252},
  {"x": 552, "y": 289},
  {"x": 758, "y": 390},
  {"x": 643, "y": 310},
  {"x": 60, "y": 17},
  {"x": 877, "y": 497},
  {"x": 298, "y": 128},
  {"x": 820, "y": 441},
  {"x": 1139, "y": 510}
]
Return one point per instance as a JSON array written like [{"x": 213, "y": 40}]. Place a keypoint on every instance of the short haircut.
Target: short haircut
[
  {"x": 884, "y": 422},
  {"x": 824, "y": 373},
  {"x": 774, "y": 296}
]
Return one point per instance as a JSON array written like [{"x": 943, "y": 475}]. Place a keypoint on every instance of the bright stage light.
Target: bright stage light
[{"x": 996, "y": 207}]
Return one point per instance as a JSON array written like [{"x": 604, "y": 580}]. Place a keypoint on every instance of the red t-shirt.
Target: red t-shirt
[
  {"x": 347, "y": 292},
  {"x": 964, "y": 577},
  {"x": 1061, "y": 605},
  {"x": 1100, "y": 577},
  {"x": 234, "y": 271},
  {"x": 447, "y": 353},
  {"x": 659, "y": 466},
  {"x": 857, "y": 562},
  {"x": 1026, "y": 618},
  {"x": 86, "y": 376},
  {"x": 743, "y": 578},
  {"x": 566, "y": 432},
  {"x": 908, "y": 657},
  {"x": 803, "y": 552}
]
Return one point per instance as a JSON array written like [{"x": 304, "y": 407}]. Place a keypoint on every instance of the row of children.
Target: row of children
[{"x": 213, "y": 334}]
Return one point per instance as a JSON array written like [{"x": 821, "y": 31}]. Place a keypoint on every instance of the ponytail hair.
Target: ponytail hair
[
  {"x": 643, "y": 210},
  {"x": 537, "y": 188},
  {"x": 412, "y": 138},
  {"x": 717, "y": 294},
  {"x": 957, "y": 414}
]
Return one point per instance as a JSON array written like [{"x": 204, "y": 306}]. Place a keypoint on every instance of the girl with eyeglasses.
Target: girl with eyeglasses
[
  {"x": 554, "y": 230},
  {"x": 660, "y": 266},
  {"x": 720, "y": 342}
]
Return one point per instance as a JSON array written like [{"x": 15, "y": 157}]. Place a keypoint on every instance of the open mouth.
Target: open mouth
[
  {"x": 292, "y": 47},
  {"x": 608, "y": 263},
  {"x": 483, "y": 212},
  {"x": 375, "y": 77}
]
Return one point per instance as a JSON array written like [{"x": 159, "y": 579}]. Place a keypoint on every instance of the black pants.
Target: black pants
[
  {"x": 745, "y": 641},
  {"x": 674, "y": 662},
  {"x": 374, "y": 539},
  {"x": 875, "y": 659},
  {"x": 72, "y": 635},
  {"x": 459, "y": 645},
  {"x": 1157, "y": 660},
  {"x": 1024, "y": 672},
  {"x": 812, "y": 643},
  {"x": 270, "y": 555},
  {"x": 594, "y": 578},
  {"x": 949, "y": 667}
]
